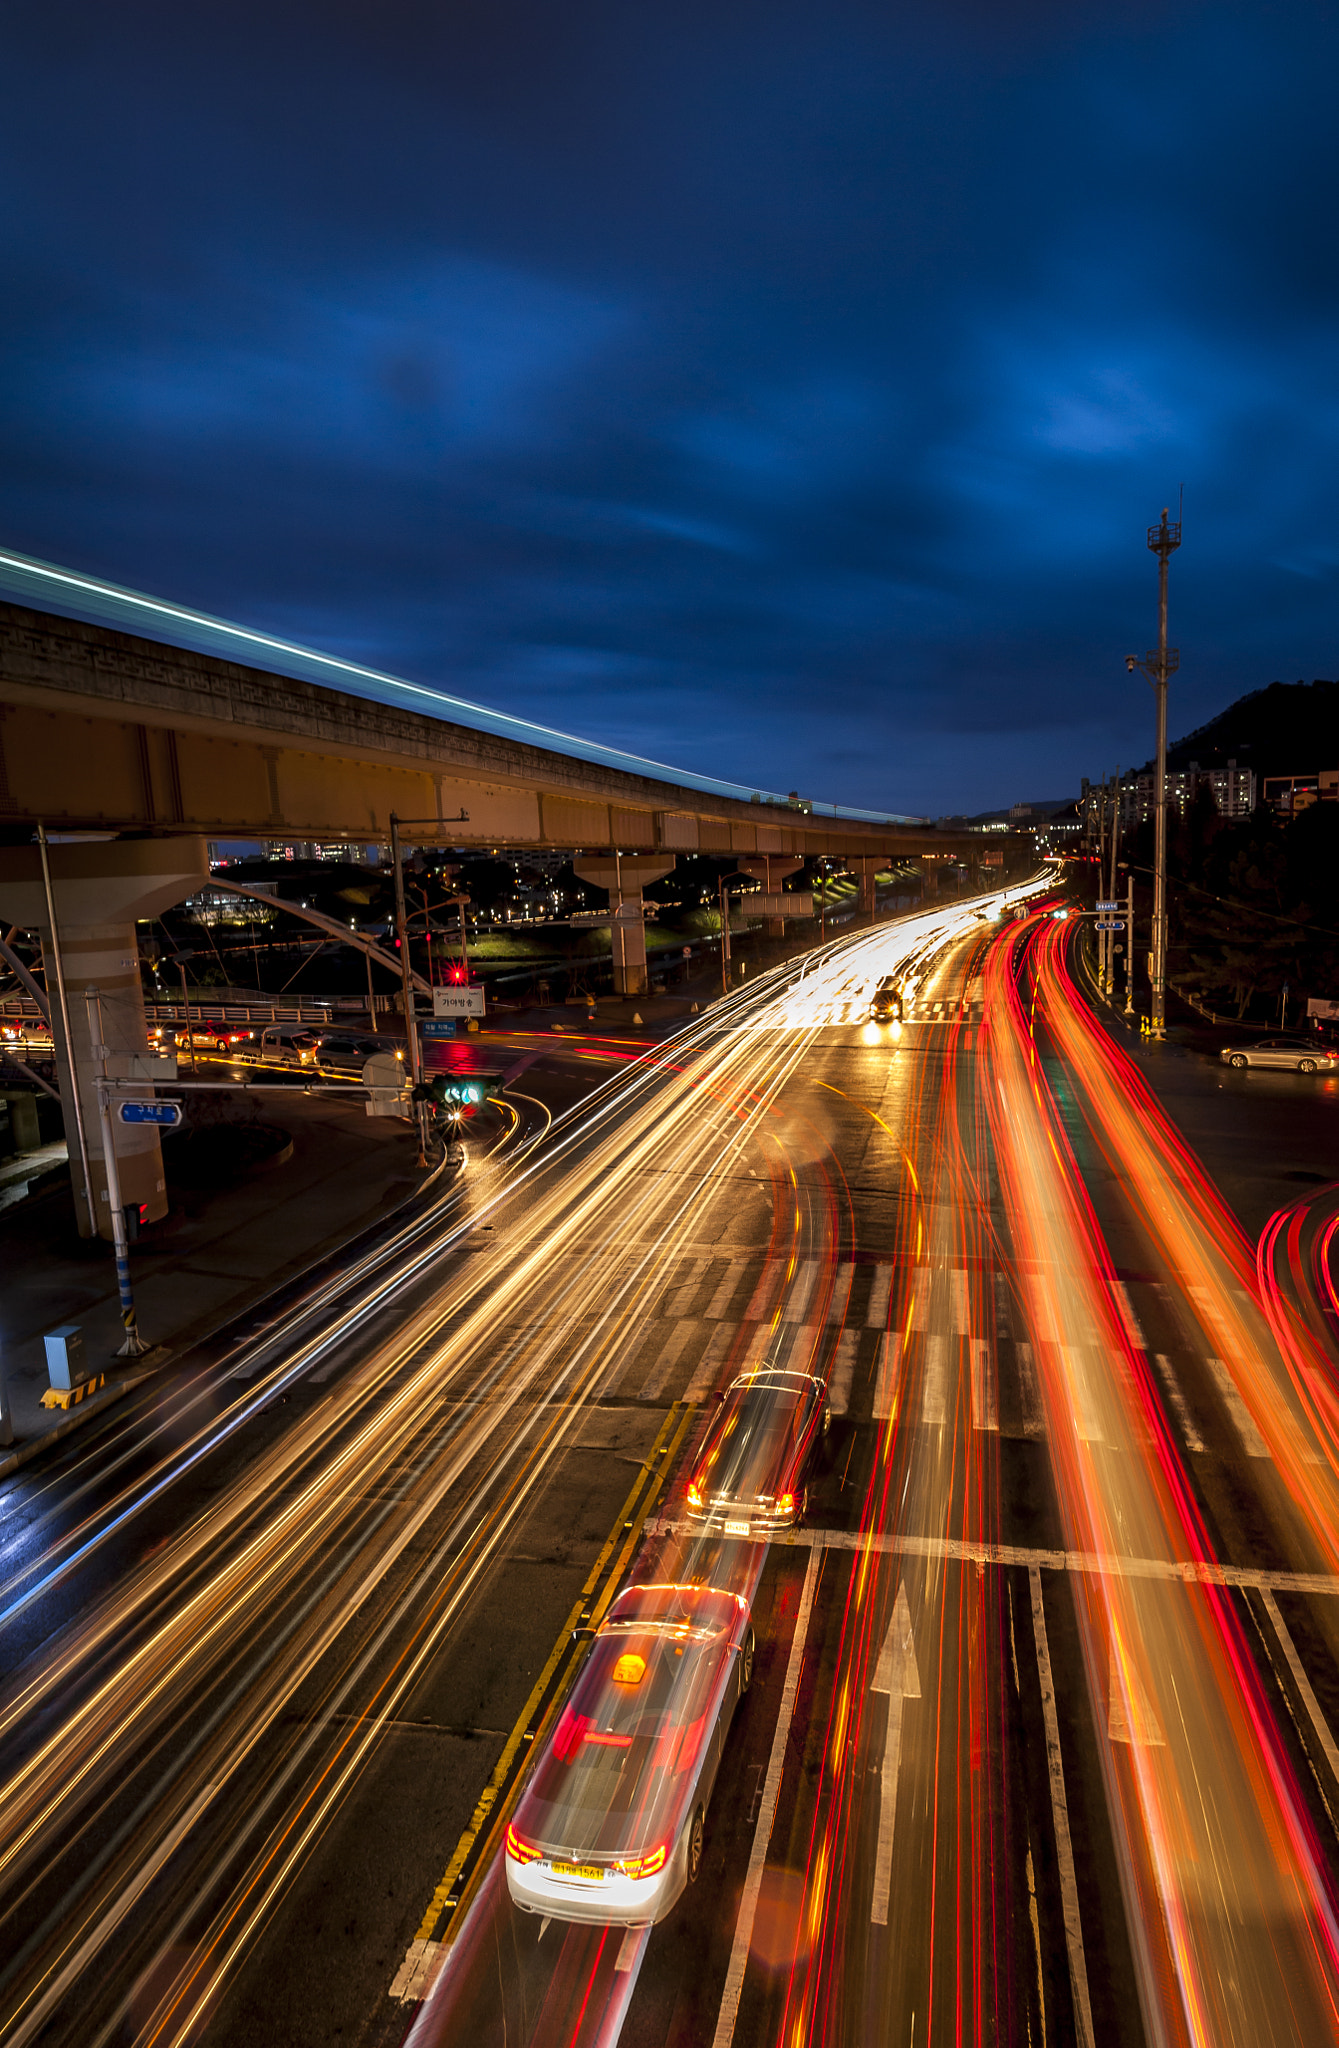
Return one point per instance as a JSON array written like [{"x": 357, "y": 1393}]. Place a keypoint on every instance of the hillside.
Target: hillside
[{"x": 1287, "y": 729}]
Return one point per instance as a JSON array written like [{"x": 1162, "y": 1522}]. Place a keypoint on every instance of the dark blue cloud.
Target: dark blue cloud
[{"x": 781, "y": 391}]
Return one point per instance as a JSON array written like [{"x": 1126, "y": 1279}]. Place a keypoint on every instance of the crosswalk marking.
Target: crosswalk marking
[
  {"x": 1252, "y": 1442},
  {"x": 985, "y": 1392},
  {"x": 934, "y": 1401},
  {"x": 1194, "y": 1441},
  {"x": 1133, "y": 1328},
  {"x": 800, "y": 1291},
  {"x": 1086, "y": 1420},
  {"x": 720, "y": 1301},
  {"x": 920, "y": 1308},
  {"x": 709, "y": 1365},
  {"x": 842, "y": 1373},
  {"x": 1034, "y": 1423},
  {"x": 889, "y": 1376},
  {"x": 680, "y": 1302},
  {"x": 876, "y": 1309},
  {"x": 957, "y": 1281},
  {"x": 761, "y": 1299},
  {"x": 666, "y": 1359},
  {"x": 841, "y": 1293}
]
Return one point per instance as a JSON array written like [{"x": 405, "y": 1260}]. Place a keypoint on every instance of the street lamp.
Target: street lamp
[{"x": 1158, "y": 665}]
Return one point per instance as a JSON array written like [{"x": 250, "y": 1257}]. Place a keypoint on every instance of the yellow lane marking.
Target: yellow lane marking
[{"x": 618, "y": 1546}]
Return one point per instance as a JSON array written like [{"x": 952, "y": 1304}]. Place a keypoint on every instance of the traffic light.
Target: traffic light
[{"x": 459, "y": 1091}]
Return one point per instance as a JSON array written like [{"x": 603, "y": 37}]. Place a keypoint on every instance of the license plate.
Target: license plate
[
  {"x": 592, "y": 1872},
  {"x": 736, "y": 1528}
]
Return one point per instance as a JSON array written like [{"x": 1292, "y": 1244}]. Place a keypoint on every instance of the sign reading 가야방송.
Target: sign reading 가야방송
[{"x": 458, "y": 1000}]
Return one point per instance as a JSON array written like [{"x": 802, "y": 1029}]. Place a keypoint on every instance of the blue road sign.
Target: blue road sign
[
  {"x": 437, "y": 1027},
  {"x": 149, "y": 1112},
  {"x": 1109, "y": 924},
  {"x": 1108, "y": 906}
]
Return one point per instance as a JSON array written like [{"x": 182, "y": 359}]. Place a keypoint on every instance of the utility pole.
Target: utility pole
[
  {"x": 725, "y": 938},
  {"x": 1103, "y": 938},
  {"x": 1129, "y": 950},
  {"x": 1159, "y": 665},
  {"x": 62, "y": 1000},
  {"x": 1111, "y": 892}
]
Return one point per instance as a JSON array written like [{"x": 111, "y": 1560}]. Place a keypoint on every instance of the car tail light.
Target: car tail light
[
  {"x": 519, "y": 1849},
  {"x": 785, "y": 1504},
  {"x": 643, "y": 1866}
]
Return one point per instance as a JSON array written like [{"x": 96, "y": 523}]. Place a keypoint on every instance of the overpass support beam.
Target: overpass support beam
[
  {"x": 868, "y": 865},
  {"x": 771, "y": 869},
  {"x": 625, "y": 875},
  {"x": 100, "y": 887}
]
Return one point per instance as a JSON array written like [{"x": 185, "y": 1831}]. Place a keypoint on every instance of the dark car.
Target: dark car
[
  {"x": 751, "y": 1474},
  {"x": 886, "y": 1005},
  {"x": 339, "y": 1055}
]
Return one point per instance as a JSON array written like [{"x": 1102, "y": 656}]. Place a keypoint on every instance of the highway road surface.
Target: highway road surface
[{"x": 1040, "y": 1742}]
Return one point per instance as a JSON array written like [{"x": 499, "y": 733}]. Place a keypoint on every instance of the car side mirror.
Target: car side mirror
[{"x": 583, "y": 1635}]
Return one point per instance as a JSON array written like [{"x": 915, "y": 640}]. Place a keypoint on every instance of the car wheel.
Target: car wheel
[
  {"x": 746, "y": 1663},
  {"x": 693, "y": 1855},
  {"x": 1306, "y": 1066},
  {"x": 1238, "y": 1059}
]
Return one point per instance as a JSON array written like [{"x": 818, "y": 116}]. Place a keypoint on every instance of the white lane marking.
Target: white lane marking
[
  {"x": 957, "y": 1282},
  {"x": 1315, "y": 1712},
  {"x": 889, "y": 1376},
  {"x": 985, "y": 1389},
  {"x": 680, "y": 1301},
  {"x": 1194, "y": 1441},
  {"x": 667, "y": 1359},
  {"x": 1252, "y": 1442},
  {"x": 799, "y": 1291},
  {"x": 1064, "y": 1848},
  {"x": 719, "y": 1305},
  {"x": 418, "y": 1972},
  {"x": 1133, "y": 1327},
  {"x": 842, "y": 1373},
  {"x": 898, "y": 1676},
  {"x": 631, "y": 1947},
  {"x": 709, "y": 1365},
  {"x": 748, "y": 1905},
  {"x": 841, "y": 1293},
  {"x": 1160, "y": 1570},
  {"x": 876, "y": 1308},
  {"x": 934, "y": 1401},
  {"x": 920, "y": 1306}
]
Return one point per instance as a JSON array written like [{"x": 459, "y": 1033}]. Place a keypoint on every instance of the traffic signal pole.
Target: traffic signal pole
[
  {"x": 407, "y": 992},
  {"x": 134, "y": 1345}
]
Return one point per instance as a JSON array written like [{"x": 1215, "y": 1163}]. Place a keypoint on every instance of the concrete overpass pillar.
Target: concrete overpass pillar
[
  {"x": 625, "y": 875},
  {"x": 100, "y": 888},
  {"x": 868, "y": 865},
  {"x": 771, "y": 869}
]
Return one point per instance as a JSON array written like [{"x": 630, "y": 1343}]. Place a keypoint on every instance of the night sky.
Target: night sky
[{"x": 779, "y": 390}]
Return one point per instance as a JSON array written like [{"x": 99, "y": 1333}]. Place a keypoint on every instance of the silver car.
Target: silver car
[
  {"x": 1297, "y": 1055},
  {"x": 609, "y": 1827}
]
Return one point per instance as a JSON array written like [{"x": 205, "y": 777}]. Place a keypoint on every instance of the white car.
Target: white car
[
  {"x": 1297, "y": 1055},
  {"x": 609, "y": 1828}
]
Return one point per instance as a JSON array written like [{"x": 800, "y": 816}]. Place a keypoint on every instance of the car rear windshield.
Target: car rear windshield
[
  {"x": 750, "y": 1454},
  {"x": 624, "y": 1755}
]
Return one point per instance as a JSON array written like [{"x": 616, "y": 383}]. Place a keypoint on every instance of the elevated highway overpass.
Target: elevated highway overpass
[{"x": 158, "y": 729}]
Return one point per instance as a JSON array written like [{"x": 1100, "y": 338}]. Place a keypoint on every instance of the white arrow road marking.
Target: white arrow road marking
[{"x": 898, "y": 1676}]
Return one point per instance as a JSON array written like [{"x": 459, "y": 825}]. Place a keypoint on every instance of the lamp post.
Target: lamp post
[{"x": 1159, "y": 665}]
